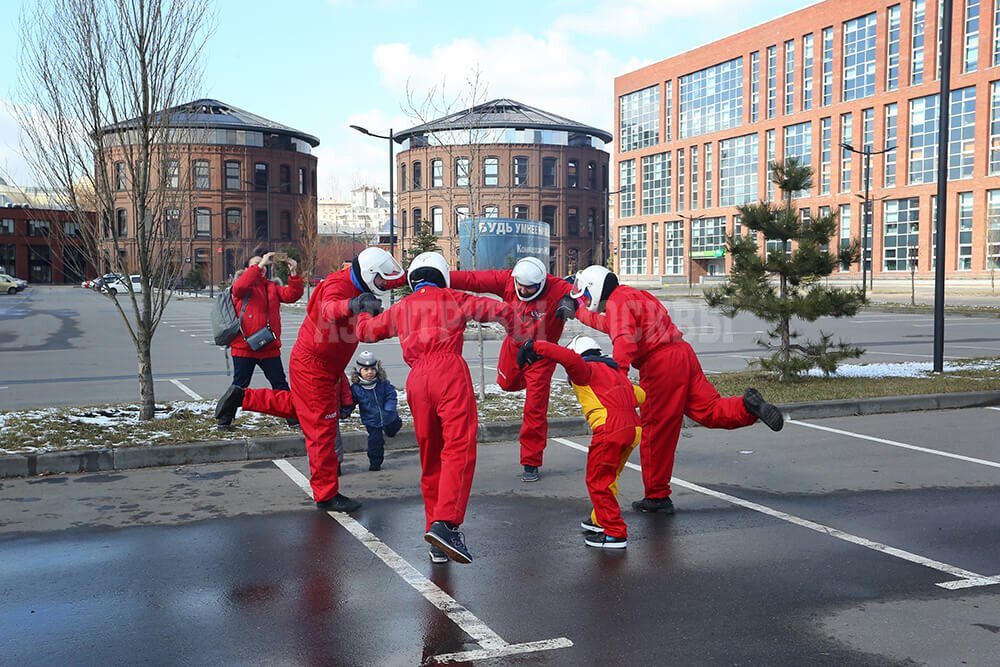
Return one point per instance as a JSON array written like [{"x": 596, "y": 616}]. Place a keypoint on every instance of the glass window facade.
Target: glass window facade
[
  {"x": 632, "y": 250},
  {"x": 771, "y": 157},
  {"x": 639, "y": 119},
  {"x": 694, "y": 177},
  {"x": 707, "y": 156},
  {"x": 845, "y": 228},
  {"x": 825, "y": 155},
  {"x": 755, "y": 86},
  {"x": 917, "y": 27},
  {"x": 961, "y": 137},
  {"x": 996, "y": 35},
  {"x": 674, "y": 246},
  {"x": 891, "y": 136},
  {"x": 681, "y": 192},
  {"x": 807, "y": 72},
  {"x": 892, "y": 50},
  {"x": 656, "y": 184},
  {"x": 789, "y": 77},
  {"x": 868, "y": 129},
  {"x": 827, "y": 66},
  {"x": 626, "y": 184},
  {"x": 859, "y": 58},
  {"x": 846, "y": 137},
  {"x": 668, "y": 109},
  {"x": 772, "y": 81},
  {"x": 995, "y": 128},
  {"x": 964, "y": 231},
  {"x": 798, "y": 143},
  {"x": 992, "y": 230},
  {"x": 922, "y": 160},
  {"x": 970, "y": 60},
  {"x": 901, "y": 235},
  {"x": 708, "y": 235},
  {"x": 711, "y": 99},
  {"x": 738, "y": 163},
  {"x": 656, "y": 248}
]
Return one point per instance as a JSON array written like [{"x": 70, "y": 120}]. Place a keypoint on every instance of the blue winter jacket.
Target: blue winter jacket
[{"x": 376, "y": 404}]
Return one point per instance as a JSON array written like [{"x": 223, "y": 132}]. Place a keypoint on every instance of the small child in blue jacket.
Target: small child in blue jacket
[{"x": 376, "y": 400}]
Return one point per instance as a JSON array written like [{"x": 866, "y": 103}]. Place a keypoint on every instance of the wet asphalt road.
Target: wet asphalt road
[
  {"x": 61, "y": 345},
  {"x": 778, "y": 555}
]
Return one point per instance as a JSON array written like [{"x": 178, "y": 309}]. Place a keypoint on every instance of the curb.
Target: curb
[{"x": 253, "y": 449}]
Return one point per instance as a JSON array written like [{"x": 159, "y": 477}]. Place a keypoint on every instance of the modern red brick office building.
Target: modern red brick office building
[
  {"x": 697, "y": 131},
  {"x": 505, "y": 159},
  {"x": 42, "y": 245},
  {"x": 238, "y": 181}
]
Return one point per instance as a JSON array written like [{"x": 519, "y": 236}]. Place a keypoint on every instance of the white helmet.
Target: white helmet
[
  {"x": 429, "y": 267},
  {"x": 583, "y": 344},
  {"x": 372, "y": 262},
  {"x": 529, "y": 272},
  {"x": 596, "y": 283}
]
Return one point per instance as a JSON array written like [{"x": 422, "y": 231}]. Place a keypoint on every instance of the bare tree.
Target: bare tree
[
  {"x": 308, "y": 240},
  {"x": 99, "y": 82}
]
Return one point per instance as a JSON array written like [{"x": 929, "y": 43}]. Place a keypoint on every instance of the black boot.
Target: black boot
[
  {"x": 764, "y": 411},
  {"x": 225, "y": 409},
  {"x": 654, "y": 505},
  {"x": 339, "y": 503}
]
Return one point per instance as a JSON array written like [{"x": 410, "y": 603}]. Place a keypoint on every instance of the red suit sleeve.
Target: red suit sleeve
[
  {"x": 481, "y": 309},
  {"x": 577, "y": 369},
  {"x": 592, "y": 320},
  {"x": 336, "y": 299},
  {"x": 293, "y": 291},
  {"x": 491, "y": 282},
  {"x": 623, "y": 328},
  {"x": 346, "y": 399},
  {"x": 243, "y": 284},
  {"x": 371, "y": 329}
]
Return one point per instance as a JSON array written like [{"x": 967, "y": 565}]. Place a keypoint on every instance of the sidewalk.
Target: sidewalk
[{"x": 125, "y": 458}]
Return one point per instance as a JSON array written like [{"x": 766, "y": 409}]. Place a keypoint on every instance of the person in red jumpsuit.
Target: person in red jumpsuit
[
  {"x": 609, "y": 402},
  {"x": 534, "y": 295},
  {"x": 430, "y": 324},
  {"x": 644, "y": 336},
  {"x": 324, "y": 347}
]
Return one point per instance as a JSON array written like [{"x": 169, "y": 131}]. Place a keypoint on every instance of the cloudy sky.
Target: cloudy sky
[{"x": 322, "y": 65}]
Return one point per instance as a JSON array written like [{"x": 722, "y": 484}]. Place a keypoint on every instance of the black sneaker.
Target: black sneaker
[
  {"x": 339, "y": 503},
  {"x": 450, "y": 541},
  {"x": 590, "y": 526},
  {"x": 530, "y": 474},
  {"x": 649, "y": 505},
  {"x": 225, "y": 409},
  {"x": 764, "y": 411},
  {"x": 605, "y": 541},
  {"x": 437, "y": 556},
  {"x": 374, "y": 467}
]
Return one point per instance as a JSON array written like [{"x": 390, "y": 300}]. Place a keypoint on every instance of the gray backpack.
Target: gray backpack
[{"x": 225, "y": 322}]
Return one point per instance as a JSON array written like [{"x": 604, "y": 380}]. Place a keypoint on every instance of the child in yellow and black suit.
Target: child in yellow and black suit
[{"x": 609, "y": 402}]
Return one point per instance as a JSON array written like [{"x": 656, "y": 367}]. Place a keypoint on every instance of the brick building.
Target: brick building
[
  {"x": 42, "y": 245},
  {"x": 697, "y": 131},
  {"x": 504, "y": 159},
  {"x": 236, "y": 181}
]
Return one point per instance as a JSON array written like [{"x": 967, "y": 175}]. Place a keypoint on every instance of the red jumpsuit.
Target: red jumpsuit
[
  {"x": 430, "y": 324},
  {"x": 644, "y": 336},
  {"x": 609, "y": 402},
  {"x": 324, "y": 347},
  {"x": 536, "y": 320}
]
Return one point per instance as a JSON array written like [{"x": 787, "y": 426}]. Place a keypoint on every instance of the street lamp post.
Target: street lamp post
[
  {"x": 866, "y": 217},
  {"x": 392, "y": 171}
]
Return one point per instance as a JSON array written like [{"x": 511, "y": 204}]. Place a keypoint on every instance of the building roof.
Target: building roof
[
  {"x": 502, "y": 113},
  {"x": 208, "y": 113}
]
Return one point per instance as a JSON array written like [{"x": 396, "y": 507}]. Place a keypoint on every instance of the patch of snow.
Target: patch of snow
[{"x": 907, "y": 369}]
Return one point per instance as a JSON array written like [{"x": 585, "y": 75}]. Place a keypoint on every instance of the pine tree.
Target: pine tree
[{"x": 799, "y": 292}]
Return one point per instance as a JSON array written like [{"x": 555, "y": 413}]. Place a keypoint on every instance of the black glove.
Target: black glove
[
  {"x": 527, "y": 355},
  {"x": 566, "y": 310},
  {"x": 345, "y": 412},
  {"x": 368, "y": 303}
]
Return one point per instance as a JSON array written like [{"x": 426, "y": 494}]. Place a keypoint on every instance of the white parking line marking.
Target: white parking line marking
[
  {"x": 493, "y": 645},
  {"x": 883, "y": 441},
  {"x": 180, "y": 385},
  {"x": 988, "y": 408},
  {"x": 966, "y": 578}
]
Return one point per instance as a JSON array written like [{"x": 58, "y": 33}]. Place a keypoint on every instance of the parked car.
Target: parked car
[
  {"x": 20, "y": 282},
  {"x": 7, "y": 284},
  {"x": 114, "y": 283}
]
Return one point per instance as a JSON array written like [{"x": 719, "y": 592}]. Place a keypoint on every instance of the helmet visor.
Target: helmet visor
[
  {"x": 388, "y": 268},
  {"x": 579, "y": 287}
]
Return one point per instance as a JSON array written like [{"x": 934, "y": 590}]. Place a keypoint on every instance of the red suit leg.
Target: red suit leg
[
  {"x": 510, "y": 377},
  {"x": 705, "y": 405},
  {"x": 535, "y": 426},
  {"x": 316, "y": 398},
  {"x": 277, "y": 402},
  {"x": 605, "y": 461}
]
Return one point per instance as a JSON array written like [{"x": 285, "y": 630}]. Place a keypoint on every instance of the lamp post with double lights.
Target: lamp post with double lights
[
  {"x": 866, "y": 217},
  {"x": 392, "y": 169},
  {"x": 691, "y": 220}
]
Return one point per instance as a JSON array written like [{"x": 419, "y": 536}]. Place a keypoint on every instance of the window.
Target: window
[
  {"x": 119, "y": 176},
  {"x": 694, "y": 176},
  {"x": 520, "y": 212},
  {"x": 42, "y": 228},
  {"x": 519, "y": 177},
  {"x": 846, "y": 137},
  {"x": 632, "y": 250},
  {"x": 995, "y": 127},
  {"x": 437, "y": 173},
  {"x": 234, "y": 223},
  {"x": 172, "y": 223},
  {"x": 996, "y": 35},
  {"x": 402, "y": 177},
  {"x": 573, "y": 221},
  {"x": 462, "y": 172},
  {"x": 417, "y": 176},
  {"x": 8, "y": 257},
  {"x": 789, "y": 77},
  {"x": 7, "y": 227},
  {"x": 417, "y": 221},
  {"x": 711, "y": 99},
  {"x": 639, "y": 119},
  {"x": 755, "y": 86},
  {"x": 121, "y": 223},
  {"x": 549, "y": 172},
  {"x": 491, "y": 172},
  {"x": 285, "y": 178},
  {"x": 656, "y": 184},
  {"x": 201, "y": 175},
  {"x": 964, "y": 231},
  {"x": 845, "y": 234},
  {"x": 992, "y": 230},
  {"x": 437, "y": 219},
  {"x": 202, "y": 222},
  {"x": 708, "y": 235},
  {"x": 171, "y": 174},
  {"x": 827, "y": 66},
  {"x": 549, "y": 216},
  {"x": 261, "y": 225},
  {"x": 461, "y": 214},
  {"x": 681, "y": 183},
  {"x": 807, "y": 72},
  {"x": 234, "y": 180},
  {"x": 917, "y": 43},
  {"x": 859, "y": 57},
  {"x": 402, "y": 223},
  {"x": 656, "y": 248},
  {"x": 769, "y": 147},
  {"x": 961, "y": 138},
  {"x": 591, "y": 182},
  {"x": 626, "y": 196},
  {"x": 491, "y": 211},
  {"x": 971, "y": 59},
  {"x": 260, "y": 177},
  {"x": 901, "y": 237},
  {"x": 674, "y": 248},
  {"x": 572, "y": 174},
  {"x": 868, "y": 128},
  {"x": 591, "y": 222},
  {"x": 825, "y": 155},
  {"x": 668, "y": 112},
  {"x": 303, "y": 182},
  {"x": 285, "y": 225},
  {"x": 922, "y": 163},
  {"x": 798, "y": 144},
  {"x": 772, "y": 80},
  {"x": 889, "y": 159},
  {"x": 738, "y": 170},
  {"x": 892, "y": 50}
]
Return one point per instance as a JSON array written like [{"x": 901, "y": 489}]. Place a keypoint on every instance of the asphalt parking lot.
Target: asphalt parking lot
[{"x": 857, "y": 540}]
